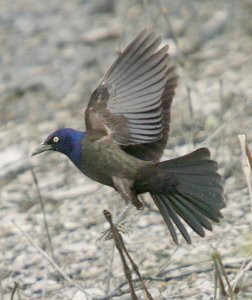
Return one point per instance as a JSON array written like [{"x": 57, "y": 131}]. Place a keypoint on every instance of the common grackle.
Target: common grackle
[{"x": 127, "y": 126}]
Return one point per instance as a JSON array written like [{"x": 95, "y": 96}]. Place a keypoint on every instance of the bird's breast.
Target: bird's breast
[{"x": 102, "y": 161}]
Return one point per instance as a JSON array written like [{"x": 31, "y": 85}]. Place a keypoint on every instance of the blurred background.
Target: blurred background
[{"x": 53, "y": 54}]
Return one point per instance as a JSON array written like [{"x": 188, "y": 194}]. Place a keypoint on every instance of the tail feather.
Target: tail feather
[
  {"x": 186, "y": 215},
  {"x": 197, "y": 196},
  {"x": 195, "y": 212},
  {"x": 205, "y": 186},
  {"x": 211, "y": 212},
  {"x": 166, "y": 215},
  {"x": 169, "y": 214},
  {"x": 204, "y": 195}
]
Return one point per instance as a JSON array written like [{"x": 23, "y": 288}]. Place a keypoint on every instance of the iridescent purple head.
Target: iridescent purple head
[{"x": 65, "y": 140}]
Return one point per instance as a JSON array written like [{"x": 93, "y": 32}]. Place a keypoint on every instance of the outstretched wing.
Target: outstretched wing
[
  {"x": 154, "y": 150},
  {"x": 132, "y": 104}
]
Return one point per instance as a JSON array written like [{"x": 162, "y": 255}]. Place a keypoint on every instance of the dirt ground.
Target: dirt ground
[{"x": 52, "y": 55}]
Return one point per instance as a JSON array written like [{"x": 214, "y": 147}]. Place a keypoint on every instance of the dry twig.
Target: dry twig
[
  {"x": 246, "y": 163},
  {"x": 14, "y": 290},
  {"x": 123, "y": 251},
  {"x": 220, "y": 276},
  {"x": 44, "y": 215},
  {"x": 244, "y": 268},
  {"x": 1, "y": 291}
]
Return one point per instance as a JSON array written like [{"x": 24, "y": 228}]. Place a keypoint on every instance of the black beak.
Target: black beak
[{"x": 42, "y": 148}]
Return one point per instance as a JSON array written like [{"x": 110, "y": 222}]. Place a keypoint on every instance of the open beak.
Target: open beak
[{"x": 42, "y": 148}]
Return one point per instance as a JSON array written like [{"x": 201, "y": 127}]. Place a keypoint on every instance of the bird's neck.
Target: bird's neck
[{"x": 75, "y": 154}]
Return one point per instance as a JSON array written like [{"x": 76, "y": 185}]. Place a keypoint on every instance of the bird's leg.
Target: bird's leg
[
  {"x": 124, "y": 188},
  {"x": 137, "y": 203}
]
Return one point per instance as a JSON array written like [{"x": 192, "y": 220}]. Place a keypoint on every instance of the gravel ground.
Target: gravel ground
[{"x": 52, "y": 55}]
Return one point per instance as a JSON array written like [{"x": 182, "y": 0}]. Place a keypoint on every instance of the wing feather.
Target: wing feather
[
  {"x": 129, "y": 56},
  {"x": 147, "y": 63},
  {"x": 132, "y": 104}
]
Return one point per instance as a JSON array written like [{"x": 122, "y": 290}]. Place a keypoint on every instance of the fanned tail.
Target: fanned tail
[{"x": 197, "y": 196}]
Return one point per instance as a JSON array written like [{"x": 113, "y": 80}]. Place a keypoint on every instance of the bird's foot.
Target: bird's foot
[
  {"x": 120, "y": 222},
  {"x": 120, "y": 226}
]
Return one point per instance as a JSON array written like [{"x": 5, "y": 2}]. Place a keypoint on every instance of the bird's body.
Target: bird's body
[
  {"x": 127, "y": 128},
  {"x": 102, "y": 161}
]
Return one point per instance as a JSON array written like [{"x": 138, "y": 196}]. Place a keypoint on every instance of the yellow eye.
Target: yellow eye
[{"x": 55, "y": 139}]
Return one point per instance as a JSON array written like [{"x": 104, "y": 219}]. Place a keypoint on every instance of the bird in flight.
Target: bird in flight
[{"x": 127, "y": 127}]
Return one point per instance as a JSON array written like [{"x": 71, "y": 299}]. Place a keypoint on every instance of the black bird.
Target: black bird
[{"x": 127, "y": 127}]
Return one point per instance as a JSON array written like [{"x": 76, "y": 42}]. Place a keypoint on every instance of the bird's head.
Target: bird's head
[{"x": 65, "y": 140}]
